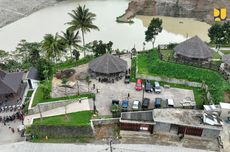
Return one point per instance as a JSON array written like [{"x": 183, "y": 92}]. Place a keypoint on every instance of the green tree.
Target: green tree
[
  {"x": 216, "y": 34},
  {"x": 53, "y": 46},
  {"x": 100, "y": 48},
  {"x": 3, "y": 54},
  {"x": 82, "y": 19},
  {"x": 71, "y": 39},
  {"x": 76, "y": 54},
  {"x": 45, "y": 68},
  {"x": 226, "y": 30},
  {"x": 87, "y": 79},
  {"x": 154, "y": 28}
]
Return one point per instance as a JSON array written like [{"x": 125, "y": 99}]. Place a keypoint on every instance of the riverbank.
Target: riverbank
[{"x": 12, "y": 10}]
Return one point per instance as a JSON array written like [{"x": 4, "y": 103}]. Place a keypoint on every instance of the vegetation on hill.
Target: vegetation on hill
[{"x": 150, "y": 64}]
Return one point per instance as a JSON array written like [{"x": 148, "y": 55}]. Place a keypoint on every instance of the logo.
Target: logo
[{"x": 220, "y": 14}]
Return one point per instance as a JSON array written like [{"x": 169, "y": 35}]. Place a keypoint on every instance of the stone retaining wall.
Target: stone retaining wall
[
  {"x": 51, "y": 105},
  {"x": 51, "y": 131},
  {"x": 97, "y": 122},
  {"x": 175, "y": 81}
]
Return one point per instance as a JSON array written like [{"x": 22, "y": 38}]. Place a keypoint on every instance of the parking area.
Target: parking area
[{"x": 119, "y": 91}]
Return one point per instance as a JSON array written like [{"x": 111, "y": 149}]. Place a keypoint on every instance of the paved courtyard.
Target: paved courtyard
[
  {"x": 7, "y": 136},
  {"x": 119, "y": 90}
]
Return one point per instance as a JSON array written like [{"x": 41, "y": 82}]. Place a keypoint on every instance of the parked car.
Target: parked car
[
  {"x": 158, "y": 102},
  {"x": 138, "y": 86},
  {"x": 148, "y": 86},
  {"x": 136, "y": 105},
  {"x": 127, "y": 78},
  {"x": 145, "y": 103},
  {"x": 115, "y": 102},
  {"x": 115, "y": 106},
  {"x": 157, "y": 87},
  {"x": 170, "y": 102},
  {"x": 125, "y": 105}
]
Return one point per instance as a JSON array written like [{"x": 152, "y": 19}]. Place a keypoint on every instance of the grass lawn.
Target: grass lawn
[
  {"x": 216, "y": 55},
  {"x": 29, "y": 93},
  {"x": 65, "y": 140},
  {"x": 73, "y": 63},
  {"x": 133, "y": 70},
  {"x": 81, "y": 118},
  {"x": 226, "y": 51},
  {"x": 167, "y": 54},
  {"x": 150, "y": 64},
  {"x": 39, "y": 97}
]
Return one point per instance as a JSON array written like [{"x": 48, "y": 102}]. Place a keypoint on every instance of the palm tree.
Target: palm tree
[
  {"x": 53, "y": 46},
  {"x": 82, "y": 19},
  {"x": 71, "y": 39}
]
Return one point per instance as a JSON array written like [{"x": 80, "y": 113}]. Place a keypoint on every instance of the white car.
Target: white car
[
  {"x": 157, "y": 87},
  {"x": 170, "y": 102},
  {"x": 136, "y": 105}
]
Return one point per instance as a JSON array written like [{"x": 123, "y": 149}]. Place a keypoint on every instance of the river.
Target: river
[{"x": 124, "y": 36}]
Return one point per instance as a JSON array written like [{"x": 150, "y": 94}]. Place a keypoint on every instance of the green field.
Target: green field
[
  {"x": 226, "y": 51},
  {"x": 150, "y": 64},
  {"x": 81, "y": 118}
]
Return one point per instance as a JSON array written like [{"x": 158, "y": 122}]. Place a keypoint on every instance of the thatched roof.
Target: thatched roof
[
  {"x": 10, "y": 82},
  {"x": 226, "y": 59},
  {"x": 194, "y": 48},
  {"x": 108, "y": 64}
]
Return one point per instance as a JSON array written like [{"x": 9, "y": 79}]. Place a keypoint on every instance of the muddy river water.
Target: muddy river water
[{"x": 124, "y": 36}]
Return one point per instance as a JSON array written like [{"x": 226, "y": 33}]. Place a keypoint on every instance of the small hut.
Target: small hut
[
  {"x": 108, "y": 67},
  {"x": 193, "y": 50}
]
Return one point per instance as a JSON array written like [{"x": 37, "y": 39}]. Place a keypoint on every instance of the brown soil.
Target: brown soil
[
  {"x": 106, "y": 131},
  {"x": 227, "y": 96}
]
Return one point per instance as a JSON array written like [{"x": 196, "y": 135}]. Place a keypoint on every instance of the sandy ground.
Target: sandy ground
[{"x": 12, "y": 10}]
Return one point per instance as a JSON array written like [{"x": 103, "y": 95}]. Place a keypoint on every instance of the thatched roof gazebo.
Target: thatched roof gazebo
[
  {"x": 193, "y": 49},
  {"x": 108, "y": 66}
]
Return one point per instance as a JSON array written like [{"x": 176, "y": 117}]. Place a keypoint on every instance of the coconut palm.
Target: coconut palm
[
  {"x": 53, "y": 46},
  {"x": 71, "y": 39},
  {"x": 82, "y": 19}
]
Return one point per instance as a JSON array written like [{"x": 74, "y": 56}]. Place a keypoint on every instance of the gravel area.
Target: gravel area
[{"x": 12, "y": 10}]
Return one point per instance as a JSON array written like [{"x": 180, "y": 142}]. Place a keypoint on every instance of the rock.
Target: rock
[{"x": 199, "y": 9}]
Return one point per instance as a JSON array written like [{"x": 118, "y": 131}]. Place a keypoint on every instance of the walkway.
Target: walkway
[
  {"x": 225, "y": 137},
  {"x": 41, "y": 147},
  {"x": 73, "y": 107}
]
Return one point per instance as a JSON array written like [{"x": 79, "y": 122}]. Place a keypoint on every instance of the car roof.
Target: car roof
[
  {"x": 125, "y": 101},
  {"x": 136, "y": 101},
  {"x": 170, "y": 101},
  {"x": 156, "y": 83},
  {"x": 139, "y": 80},
  {"x": 146, "y": 99}
]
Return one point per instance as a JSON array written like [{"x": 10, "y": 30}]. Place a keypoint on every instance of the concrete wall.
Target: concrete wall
[
  {"x": 97, "y": 122},
  {"x": 162, "y": 127},
  {"x": 50, "y": 105},
  {"x": 167, "y": 79},
  {"x": 61, "y": 131},
  {"x": 210, "y": 133}
]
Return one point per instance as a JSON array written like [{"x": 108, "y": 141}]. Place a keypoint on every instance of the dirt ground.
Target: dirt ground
[
  {"x": 106, "y": 132},
  {"x": 227, "y": 97},
  {"x": 130, "y": 137}
]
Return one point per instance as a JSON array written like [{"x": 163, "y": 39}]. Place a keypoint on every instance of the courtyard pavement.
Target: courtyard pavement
[
  {"x": 70, "y": 108},
  {"x": 7, "y": 136},
  {"x": 119, "y": 90}
]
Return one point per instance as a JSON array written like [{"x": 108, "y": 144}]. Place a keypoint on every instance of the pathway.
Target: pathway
[
  {"x": 73, "y": 107},
  {"x": 42, "y": 147}
]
